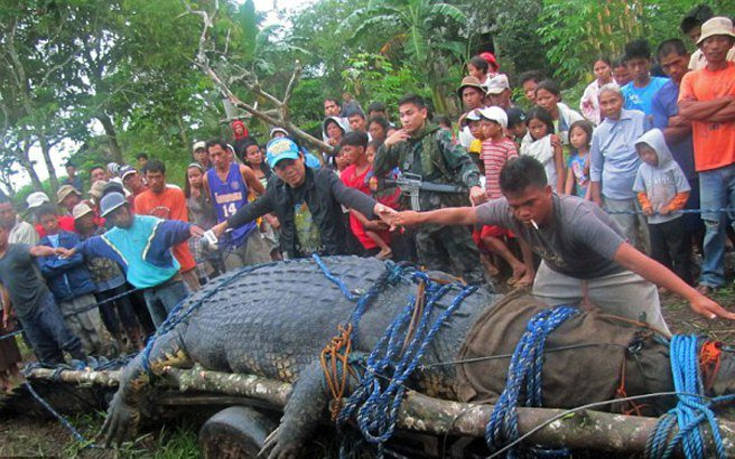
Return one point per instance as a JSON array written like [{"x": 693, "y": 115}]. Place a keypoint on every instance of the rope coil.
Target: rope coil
[
  {"x": 524, "y": 380},
  {"x": 690, "y": 410}
]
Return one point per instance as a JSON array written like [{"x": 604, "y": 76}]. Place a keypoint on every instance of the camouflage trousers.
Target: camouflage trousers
[
  {"x": 87, "y": 325},
  {"x": 450, "y": 249}
]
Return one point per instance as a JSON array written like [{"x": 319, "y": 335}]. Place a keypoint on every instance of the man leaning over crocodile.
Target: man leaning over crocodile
[
  {"x": 585, "y": 258},
  {"x": 307, "y": 202}
]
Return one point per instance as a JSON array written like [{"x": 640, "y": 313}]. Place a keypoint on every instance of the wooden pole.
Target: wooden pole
[{"x": 582, "y": 430}]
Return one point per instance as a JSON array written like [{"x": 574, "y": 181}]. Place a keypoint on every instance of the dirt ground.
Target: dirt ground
[{"x": 25, "y": 436}]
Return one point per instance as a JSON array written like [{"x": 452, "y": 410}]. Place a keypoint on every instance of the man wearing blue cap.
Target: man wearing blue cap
[
  {"x": 307, "y": 202},
  {"x": 141, "y": 245}
]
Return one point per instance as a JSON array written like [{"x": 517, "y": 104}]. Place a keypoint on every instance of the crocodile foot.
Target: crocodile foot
[{"x": 121, "y": 422}]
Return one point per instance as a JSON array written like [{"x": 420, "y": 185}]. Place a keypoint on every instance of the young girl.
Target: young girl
[
  {"x": 541, "y": 143},
  {"x": 548, "y": 96},
  {"x": 202, "y": 214},
  {"x": 590, "y": 102},
  {"x": 578, "y": 175},
  {"x": 268, "y": 224}
]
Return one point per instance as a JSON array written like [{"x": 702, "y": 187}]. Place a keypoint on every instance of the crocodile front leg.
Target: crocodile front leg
[{"x": 123, "y": 415}]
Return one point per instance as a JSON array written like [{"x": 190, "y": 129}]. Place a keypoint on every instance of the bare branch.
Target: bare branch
[{"x": 292, "y": 82}]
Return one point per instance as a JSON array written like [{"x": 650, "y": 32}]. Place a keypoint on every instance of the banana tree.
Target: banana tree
[{"x": 423, "y": 29}]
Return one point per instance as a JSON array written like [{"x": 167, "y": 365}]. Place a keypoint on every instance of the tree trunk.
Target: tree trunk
[
  {"x": 420, "y": 413},
  {"x": 109, "y": 127},
  {"x": 46, "y": 152}
]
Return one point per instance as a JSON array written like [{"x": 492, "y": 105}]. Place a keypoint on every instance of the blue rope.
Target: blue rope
[
  {"x": 335, "y": 280},
  {"x": 690, "y": 410},
  {"x": 74, "y": 432},
  {"x": 524, "y": 380},
  {"x": 376, "y": 403}
]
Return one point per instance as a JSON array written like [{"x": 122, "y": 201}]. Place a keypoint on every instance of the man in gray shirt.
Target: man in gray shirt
[{"x": 584, "y": 254}]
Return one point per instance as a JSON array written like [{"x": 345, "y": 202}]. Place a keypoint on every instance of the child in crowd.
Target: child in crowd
[
  {"x": 663, "y": 189},
  {"x": 71, "y": 284},
  {"x": 517, "y": 127},
  {"x": 541, "y": 143},
  {"x": 353, "y": 148},
  {"x": 388, "y": 195},
  {"x": 578, "y": 168},
  {"x": 497, "y": 148},
  {"x": 203, "y": 214}
]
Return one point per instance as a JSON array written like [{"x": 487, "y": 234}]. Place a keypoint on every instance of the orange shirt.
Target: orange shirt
[
  {"x": 169, "y": 205},
  {"x": 714, "y": 143}
]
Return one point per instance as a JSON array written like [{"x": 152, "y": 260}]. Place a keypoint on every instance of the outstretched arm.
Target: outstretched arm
[
  {"x": 651, "y": 270},
  {"x": 447, "y": 216}
]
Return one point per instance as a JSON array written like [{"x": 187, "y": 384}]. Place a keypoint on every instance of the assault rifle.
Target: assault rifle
[{"x": 413, "y": 184}]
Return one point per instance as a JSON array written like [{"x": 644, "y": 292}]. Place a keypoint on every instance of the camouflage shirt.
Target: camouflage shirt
[{"x": 431, "y": 154}]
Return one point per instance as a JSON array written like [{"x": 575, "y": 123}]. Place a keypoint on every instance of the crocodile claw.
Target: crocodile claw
[
  {"x": 121, "y": 422},
  {"x": 280, "y": 449}
]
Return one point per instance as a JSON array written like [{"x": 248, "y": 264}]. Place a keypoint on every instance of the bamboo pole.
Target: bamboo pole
[{"x": 584, "y": 430}]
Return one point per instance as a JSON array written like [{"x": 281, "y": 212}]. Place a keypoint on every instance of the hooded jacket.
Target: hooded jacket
[
  {"x": 663, "y": 186},
  {"x": 67, "y": 278}
]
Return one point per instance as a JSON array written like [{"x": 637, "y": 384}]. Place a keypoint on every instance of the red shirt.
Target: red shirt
[
  {"x": 66, "y": 223},
  {"x": 168, "y": 205},
  {"x": 351, "y": 179}
]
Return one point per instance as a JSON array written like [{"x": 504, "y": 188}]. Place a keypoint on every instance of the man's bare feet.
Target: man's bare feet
[
  {"x": 519, "y": 271},
  {"x": 527, "y": 279},
  {"x": 490, "y": 269}
]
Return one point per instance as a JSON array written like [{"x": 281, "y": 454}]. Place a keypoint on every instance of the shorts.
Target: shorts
[{"x": 490, "y": 231}]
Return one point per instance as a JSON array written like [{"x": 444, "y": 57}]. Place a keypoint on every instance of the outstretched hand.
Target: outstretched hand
[
  {"x": 710, "y": 308},
  {"x": 63, "y": 252},
  {"x": 196, "y": 231},
  {"x": 385, "y": 213},
  {"x": 219, "y": 228}
]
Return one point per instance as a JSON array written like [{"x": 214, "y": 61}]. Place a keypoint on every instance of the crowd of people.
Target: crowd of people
[{"x": 564, "y": 201}]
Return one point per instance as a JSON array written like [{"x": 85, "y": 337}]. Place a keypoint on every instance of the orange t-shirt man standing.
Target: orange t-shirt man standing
[
  {"x": 169, "y": 203},
  {"x": 707, "y": 100}
]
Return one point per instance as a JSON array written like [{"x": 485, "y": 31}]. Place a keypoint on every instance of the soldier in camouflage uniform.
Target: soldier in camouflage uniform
[{"x": 421, "y": 148}]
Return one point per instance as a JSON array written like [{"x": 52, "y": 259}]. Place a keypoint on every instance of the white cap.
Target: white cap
[
  {"x": 498, "y": 84},
  {"x": 200, "y": 144},
  {"x": 36, "y": 199},
  {"x": 494, "y": 113}
]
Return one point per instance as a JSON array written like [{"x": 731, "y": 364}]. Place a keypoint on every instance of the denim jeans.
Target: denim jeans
[
  {"x": 162, "y": 298},
  {"x": 48, "y": 334},
  {"x": 716, "y": 191}
]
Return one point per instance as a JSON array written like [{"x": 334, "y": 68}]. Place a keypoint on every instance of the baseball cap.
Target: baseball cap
[
  {"x": 127, "y": 170},
  {"x": 498, "y": 84},
  {"x": 470, "y": 82},
  {"x": 200, "y": 144},
  {"x": 474, "y": 115},
  {"x": 36, "y": 199},
  {"x": 110, "y": 202},
  {"x": 490, "y": 58},
  {"x": 64, "y": 191},
  {"x": 97, "y": 189},
  {"x": 280, "y": 148},
  {"x": 279, "y": 129},
  {"x": 515, "y": 116},
  {"x": 80, "y": 210},
  {"x": 496, "y": 114},
  {"x": 718, "y": 25}
]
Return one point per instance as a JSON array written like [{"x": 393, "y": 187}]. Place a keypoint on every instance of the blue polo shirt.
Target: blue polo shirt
[{"x": 663, "y": 107}]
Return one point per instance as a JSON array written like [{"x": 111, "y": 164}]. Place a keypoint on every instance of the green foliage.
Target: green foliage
[
  {"x": 575, "y": 32},
  {"x": 372, "y": 77}
]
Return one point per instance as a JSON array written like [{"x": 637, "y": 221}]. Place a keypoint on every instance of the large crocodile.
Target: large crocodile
[{"x": 273, "y": 321}]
